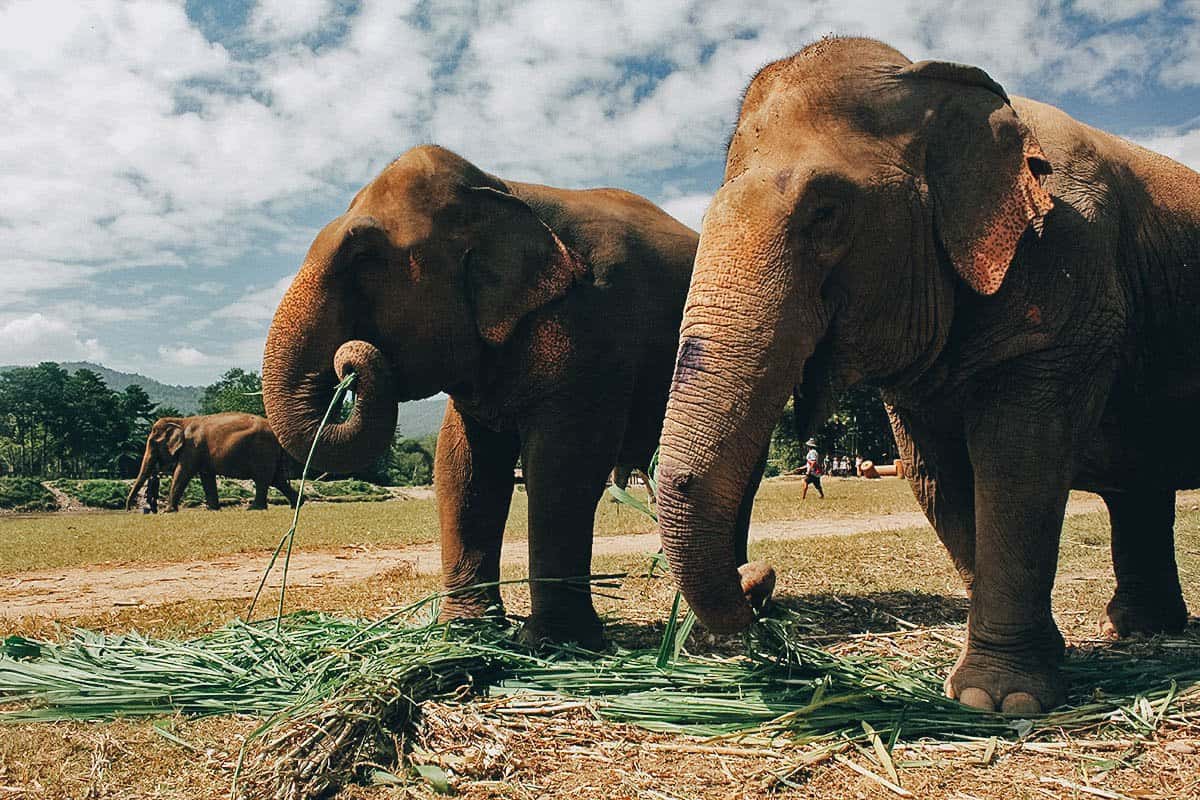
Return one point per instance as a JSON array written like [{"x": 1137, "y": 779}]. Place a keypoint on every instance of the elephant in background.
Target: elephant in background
[
  {"x": 1025, "y": 290},
  {"x": 551, "y": 318},
  {"x": 231, "y": 444}
]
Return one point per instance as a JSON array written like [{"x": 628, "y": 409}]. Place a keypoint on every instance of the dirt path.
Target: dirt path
[{"x": 81, "y": 590}]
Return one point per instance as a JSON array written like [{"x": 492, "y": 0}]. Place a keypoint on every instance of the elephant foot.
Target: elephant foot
[
  {"x": 1144, "y": 614},
  {"x": 587, "y": 631},
  {"x": 476, "y": 605},
  {"x": 256, "y": 507},
  {"x": 172, "y": 510},
  {"x": 1021, "y": 681}
]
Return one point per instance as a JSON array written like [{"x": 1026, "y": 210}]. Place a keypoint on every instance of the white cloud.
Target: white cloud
[
  {"x": 184, "y": 356},
  {"x": 34, "y": 338},
  {"x": 132, "y": 142},
  {"x": 287, "y": 20},
  {"x": 1116, "y": 10},
  {"x": 21, "y": 277},
  {"x": 1183, "y": 67},
  {"x": 1183, "y": 147},
  {"x": 688, "y": 209},
  {"x": 89, "y": 312},
  {"x": 257, "y": 305}
]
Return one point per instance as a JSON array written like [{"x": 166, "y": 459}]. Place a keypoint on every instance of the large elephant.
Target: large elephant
[
  {"x": 551, "y": 318},
  {"x": 231, "y": 444},
  {"x": 1026, "y": 291}
]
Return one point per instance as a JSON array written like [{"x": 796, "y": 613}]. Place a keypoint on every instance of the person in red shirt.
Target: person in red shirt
[{"x": 813, "y": 476}]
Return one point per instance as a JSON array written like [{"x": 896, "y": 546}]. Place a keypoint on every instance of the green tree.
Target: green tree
[
  {"x": 99, "y": 428},
  {"x": 138, "y": 412},
  {"x": 407, "y": 462},
  {"x": 33, "y": 417},
  {"x": 237, "y": 390},
  {"x": 858, "y": 426},
  {"x": 55, "y": 424}
]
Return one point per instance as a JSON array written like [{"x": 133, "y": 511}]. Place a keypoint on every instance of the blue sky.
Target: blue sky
[{"x": 164, "y": 165}]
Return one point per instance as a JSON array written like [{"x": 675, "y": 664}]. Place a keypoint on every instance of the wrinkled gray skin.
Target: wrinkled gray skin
[
  {"x": 1024, "y": 288},
  {"x": 232, "y": 444}
]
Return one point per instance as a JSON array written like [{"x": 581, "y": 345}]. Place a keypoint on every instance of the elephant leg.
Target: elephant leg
[
  {"x": 152, "y": 493},
  {"x": 565, "y": 470},
  {"x": 259, "y": 503},
  {"x": 939, "y": 472},
  {"x": 179, "y": 481},
  {"x": 741, "y": 530},
  {"x": 1022, "y": 466},
  {"x": 473, "y": 477},
  {"x": 285, "y": 488},
  {"x": 212, "y": 498},
  {"x": 1148, "y": 598}
]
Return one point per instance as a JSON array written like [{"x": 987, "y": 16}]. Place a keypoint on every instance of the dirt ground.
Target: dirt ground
[
  {"x": 872, "y": 581},
  {"x": 97, "y": 588}
]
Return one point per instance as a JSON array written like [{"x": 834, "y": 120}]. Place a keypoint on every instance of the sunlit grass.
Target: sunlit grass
[{"x": 62, "y": 540}]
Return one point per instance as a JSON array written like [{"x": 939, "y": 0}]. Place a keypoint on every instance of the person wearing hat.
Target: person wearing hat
[{"x": 813, "y": 476}]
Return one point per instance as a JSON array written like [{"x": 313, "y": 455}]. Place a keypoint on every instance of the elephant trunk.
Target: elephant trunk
[
  {"x": 148, "y": 466},
  {"x": 308, "y": 351},
  {"x": 744, "y": 340}
]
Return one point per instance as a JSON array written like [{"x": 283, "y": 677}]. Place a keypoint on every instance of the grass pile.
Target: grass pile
[{"x": 338, "y": 697}]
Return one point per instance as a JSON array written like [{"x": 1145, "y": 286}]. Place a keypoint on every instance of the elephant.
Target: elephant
[
  {"x": 551, "y": 319},
  {"x": 232, "y": 444},
  {"x": 1023, "y": 290}
]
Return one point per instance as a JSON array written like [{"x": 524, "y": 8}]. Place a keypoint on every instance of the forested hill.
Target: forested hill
[
  {"x": 185, "y": 398},
  {"x": 421, "y": 417}
]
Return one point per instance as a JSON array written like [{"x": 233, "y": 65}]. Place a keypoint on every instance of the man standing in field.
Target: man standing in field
[{"x": 813, "y": 476}]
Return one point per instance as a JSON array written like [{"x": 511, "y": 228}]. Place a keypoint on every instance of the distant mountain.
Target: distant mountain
[
  {"x": 421, "y": 417},
  {"x": 414, "y": 420},
  {"x": 185, "y": 398}
]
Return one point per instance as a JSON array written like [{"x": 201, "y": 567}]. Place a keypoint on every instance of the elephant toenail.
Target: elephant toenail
[
  {"x": 977, "y": 698},
  {"x": 1022, "y": 704}
]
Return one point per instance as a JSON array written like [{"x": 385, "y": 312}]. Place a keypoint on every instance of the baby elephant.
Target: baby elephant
[
  {"x": 231, "y": 444},
  {"x": 550, "y": 317}
]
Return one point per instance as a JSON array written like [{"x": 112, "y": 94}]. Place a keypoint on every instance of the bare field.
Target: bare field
[{"x": 877, "y": 582}]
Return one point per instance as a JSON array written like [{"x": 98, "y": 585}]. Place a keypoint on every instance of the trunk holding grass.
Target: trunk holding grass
[
  {"x": 308, "y": 351},
  {"x": 742, "y": 349}
]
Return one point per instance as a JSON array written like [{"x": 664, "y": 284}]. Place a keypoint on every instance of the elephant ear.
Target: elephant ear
[
  {"x": 172, "y": 438},
  {"x": 984, "y": 167},
  {"x": 516, "y": 263}
]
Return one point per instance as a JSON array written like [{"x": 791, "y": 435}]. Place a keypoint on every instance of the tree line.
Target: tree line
[
  {"x": 859, "y": 427},
  {"x": 59, "y": 424}
]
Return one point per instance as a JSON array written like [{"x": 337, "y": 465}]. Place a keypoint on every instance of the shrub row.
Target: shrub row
[
  {"x": 25, "y": 494},
  {"x": 29, "y": 494}
]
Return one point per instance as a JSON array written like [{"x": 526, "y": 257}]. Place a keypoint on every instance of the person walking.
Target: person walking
[{"x": 813, "y": 476}]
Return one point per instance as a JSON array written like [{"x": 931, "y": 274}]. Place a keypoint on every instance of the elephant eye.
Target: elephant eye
[
  {"x": 824, "y": 219},
  {"x": 825, "y": 229}
]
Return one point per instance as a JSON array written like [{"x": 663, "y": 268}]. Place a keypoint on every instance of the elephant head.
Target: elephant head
[
  {"x": 163, "y": 445},
  {"x": 434, "y": 264},
  {"x": 861, "y": 191}
]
